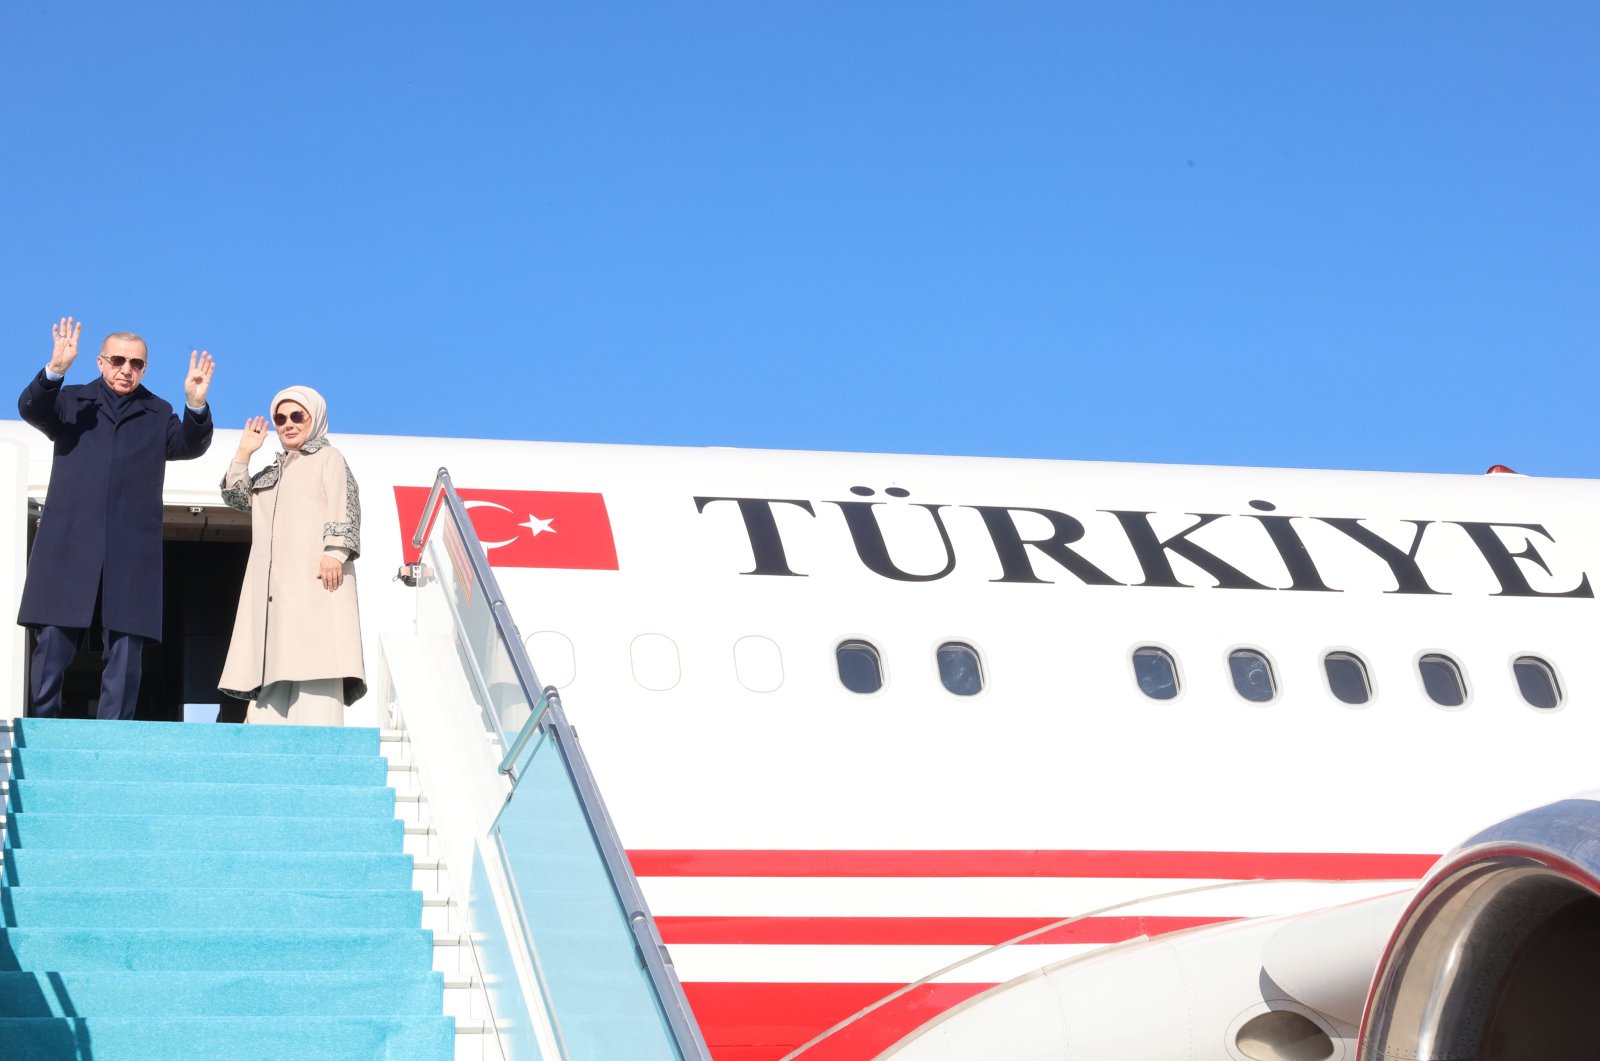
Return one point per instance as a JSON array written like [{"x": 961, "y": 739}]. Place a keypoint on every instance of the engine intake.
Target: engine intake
[{"x": 1497, "y": 956}]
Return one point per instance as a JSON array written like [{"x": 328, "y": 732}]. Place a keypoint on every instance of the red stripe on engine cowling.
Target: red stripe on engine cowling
[
  {"x": 914, "y": 931},
  {"x": 1183, "y": 865},
  {"x": 763, "y": 1022}
]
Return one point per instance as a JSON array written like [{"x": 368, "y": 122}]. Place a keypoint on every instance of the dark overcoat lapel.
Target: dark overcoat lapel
[{"x": 102, "y": 515}]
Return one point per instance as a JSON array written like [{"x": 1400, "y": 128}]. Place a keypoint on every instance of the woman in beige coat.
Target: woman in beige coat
[{"x": 296, "y": 648}]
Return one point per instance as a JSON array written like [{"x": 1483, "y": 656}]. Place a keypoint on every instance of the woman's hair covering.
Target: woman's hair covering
[{"x": 313, "y": 404}]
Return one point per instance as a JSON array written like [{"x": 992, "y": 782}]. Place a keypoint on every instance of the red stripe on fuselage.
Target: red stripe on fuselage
[
  {"x": 914, "y": 931},
  {"x": 1183, "y": 865},
  {"x": 766, "y": 1021}
]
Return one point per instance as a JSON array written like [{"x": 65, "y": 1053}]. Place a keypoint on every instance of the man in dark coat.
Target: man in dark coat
[{"x": 96, "y": 560}]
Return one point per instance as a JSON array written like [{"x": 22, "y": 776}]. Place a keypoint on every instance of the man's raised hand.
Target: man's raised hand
[
  {"x": 197, "y": 384},
  {"x": 66, "y": 345}
]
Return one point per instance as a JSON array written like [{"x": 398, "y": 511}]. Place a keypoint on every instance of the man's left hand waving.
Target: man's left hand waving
[{"x": 197, "y": 384}]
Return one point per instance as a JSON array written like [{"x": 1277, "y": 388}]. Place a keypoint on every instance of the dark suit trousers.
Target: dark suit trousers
[{"x": 119, "y": 679}]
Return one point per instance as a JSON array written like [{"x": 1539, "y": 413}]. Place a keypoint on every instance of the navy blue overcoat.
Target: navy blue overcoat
[{"x": 102, "y": 516}]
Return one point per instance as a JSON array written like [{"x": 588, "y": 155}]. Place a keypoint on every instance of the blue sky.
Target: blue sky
[{"x": 1360, "y": 235}]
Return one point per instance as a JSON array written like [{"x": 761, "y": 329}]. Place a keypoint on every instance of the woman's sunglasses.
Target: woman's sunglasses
[
  {"x": 296, "y": 417},
  {"x": 117, "y": 361}
]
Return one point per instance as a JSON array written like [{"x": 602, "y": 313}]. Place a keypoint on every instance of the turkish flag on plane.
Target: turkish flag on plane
[{"x": 525, "y": 528}]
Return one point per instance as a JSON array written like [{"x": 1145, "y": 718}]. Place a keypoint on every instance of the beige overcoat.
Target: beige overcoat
[{"x": 289, "y": 627}]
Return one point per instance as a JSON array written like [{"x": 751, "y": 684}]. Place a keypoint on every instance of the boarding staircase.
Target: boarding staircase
[
  {"x": 211, "y": 891},
  {"x": 449, "y": 889}
]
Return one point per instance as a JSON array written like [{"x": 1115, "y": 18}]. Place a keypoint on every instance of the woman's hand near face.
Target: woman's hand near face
[
  {"x": 255, "y": 433},
  {"x": 330, "y": 573}
]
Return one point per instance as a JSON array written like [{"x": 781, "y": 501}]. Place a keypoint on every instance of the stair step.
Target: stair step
[
  {"x": 95, "y": 764},
  {"x": 421, "y": 843},
  {"x": 88, "y": 949},
  {"x": 452, "y": 955},
  {"x": 230, "y": 908},
  {"x": 159, "y": 994},
  {"x": 235, "y": 1038},
  {"x": 42, "y": 869},
  {"x": 194, "y": 737},
  {"x": 411, "y": 807},
  {"x": 464, "y": 999},
  {"x": 220, "y": 832},
  {"x": 194, "y": 797},
  {"x": 47, "y": 867}
]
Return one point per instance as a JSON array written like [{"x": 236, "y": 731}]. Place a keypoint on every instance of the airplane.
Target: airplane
[{"x": 936, "y": 757}]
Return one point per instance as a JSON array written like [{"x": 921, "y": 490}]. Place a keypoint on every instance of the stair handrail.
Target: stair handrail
[
  {"x": 548, "y": 717},
  {"x": 505, "y": 627}
]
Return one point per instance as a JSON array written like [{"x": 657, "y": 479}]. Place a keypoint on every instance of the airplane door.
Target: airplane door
[
  {"x": 13, "y": 568},
  {"x": 204, "y": 553},
  {"x": 204, "y": 549}
]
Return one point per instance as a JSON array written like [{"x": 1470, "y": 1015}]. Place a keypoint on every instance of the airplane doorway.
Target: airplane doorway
[{"x": 204, "y": 549}]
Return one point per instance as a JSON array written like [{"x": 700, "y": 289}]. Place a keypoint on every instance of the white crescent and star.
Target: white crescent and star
[{"x": 535, "y": 525}]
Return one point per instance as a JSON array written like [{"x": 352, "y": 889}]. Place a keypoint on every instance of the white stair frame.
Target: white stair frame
[
  {"x": 455, "y": 953},
  {"x": 461, "y": 790}
]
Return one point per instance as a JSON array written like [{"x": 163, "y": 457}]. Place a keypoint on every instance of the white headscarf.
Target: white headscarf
[{"x": 312, "y": 402}]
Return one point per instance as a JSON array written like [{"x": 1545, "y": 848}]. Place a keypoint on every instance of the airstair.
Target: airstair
[
  {"x": 449, "y": 888},
  {"x": 187, "y": 891}
]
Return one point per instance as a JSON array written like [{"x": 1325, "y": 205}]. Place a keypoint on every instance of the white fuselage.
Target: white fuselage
[{"x": 768, "y": 826}]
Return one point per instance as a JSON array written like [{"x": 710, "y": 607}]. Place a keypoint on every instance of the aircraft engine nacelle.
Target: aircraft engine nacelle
[
  {"x": 1287, "y": 988},
  {"x": 1497, "y": 956}
]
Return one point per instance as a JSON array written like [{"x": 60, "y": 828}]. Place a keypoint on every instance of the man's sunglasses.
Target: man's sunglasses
[
  {"x": 117, "y": 361},
  {"x": 296, "y": 417}
]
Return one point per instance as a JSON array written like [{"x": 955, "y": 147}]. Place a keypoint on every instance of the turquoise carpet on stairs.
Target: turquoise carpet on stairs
[{"x": 184, "y": 891}]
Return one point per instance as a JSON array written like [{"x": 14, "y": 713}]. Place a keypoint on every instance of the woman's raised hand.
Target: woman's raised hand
[
  {"x": 65, "y": 351},
  {"x": 255, "y": 433}
]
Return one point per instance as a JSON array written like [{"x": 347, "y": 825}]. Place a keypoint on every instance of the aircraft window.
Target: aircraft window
[
  {"x": 860, "y": 669},
  {"x": 959, "y": 668},
  {"x": 1536, "y": 680},
  {"x": 1442, "y": 681},
  {"x": 1155, "y": 672},
  {"x": 759, "y": 663},
  {"x": 1252, "y": 675},
  {"x": 655, "y": 662},
  {"x": 552, "y": 657},
  {"x": 1347, "y": 677}
]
